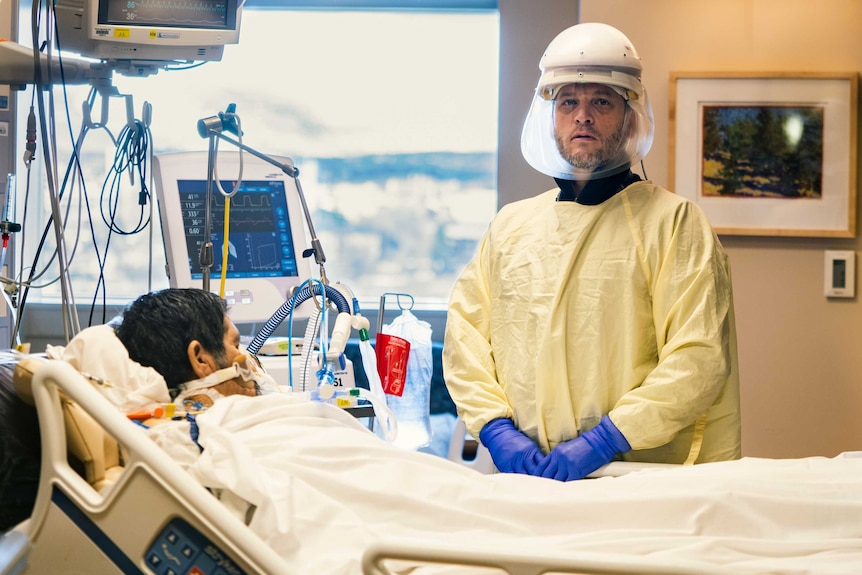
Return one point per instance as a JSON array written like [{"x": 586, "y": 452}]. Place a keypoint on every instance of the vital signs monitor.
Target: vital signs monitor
[
  {"x": 148, "y": 30},
  {"x": 266, "y": 233}
]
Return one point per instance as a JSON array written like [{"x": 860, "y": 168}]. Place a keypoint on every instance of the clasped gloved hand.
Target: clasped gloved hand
[
  {"x": 511, "y": 450},
  {"x": 577, "y": 458}
]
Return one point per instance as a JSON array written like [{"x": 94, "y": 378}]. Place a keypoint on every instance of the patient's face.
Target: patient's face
[
  {"x": 231, "y": 343},
  {"x": 206, "y": 363}
]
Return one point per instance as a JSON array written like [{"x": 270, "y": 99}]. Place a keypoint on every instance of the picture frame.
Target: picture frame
[{"x": 767, "y": 154}]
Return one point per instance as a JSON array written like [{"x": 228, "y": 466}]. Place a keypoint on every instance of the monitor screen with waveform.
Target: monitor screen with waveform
[
  {"x": 266, "y": 234},
  {"x": 148, "y": 31},
  {"x": 185, "y": 13},
  {"x": 259, "y": 240}
]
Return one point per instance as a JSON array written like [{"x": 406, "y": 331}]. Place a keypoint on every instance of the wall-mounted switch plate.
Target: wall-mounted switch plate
[{"x": 839, "y": 274}]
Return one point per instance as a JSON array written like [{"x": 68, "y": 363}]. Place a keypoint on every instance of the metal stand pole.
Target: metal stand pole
[
  {"x": 206, "y": 253},
  {"x": 316, "y": 248}
]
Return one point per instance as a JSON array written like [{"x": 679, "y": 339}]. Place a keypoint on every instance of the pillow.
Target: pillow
[{"x": 97, "y": 352}]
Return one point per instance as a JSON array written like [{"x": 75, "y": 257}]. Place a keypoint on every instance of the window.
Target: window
[{"x": 390, "y": 115}]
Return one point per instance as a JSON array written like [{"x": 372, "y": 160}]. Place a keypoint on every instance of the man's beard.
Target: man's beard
[
  {"x": 589, "y": 161},
  {"x": 222, "y": 361}
]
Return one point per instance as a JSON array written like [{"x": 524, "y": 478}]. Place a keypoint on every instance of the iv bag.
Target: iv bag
[{"x": 412, "y": 408}]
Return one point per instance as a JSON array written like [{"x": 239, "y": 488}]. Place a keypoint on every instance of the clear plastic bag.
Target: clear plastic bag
[
  {"x": 412, "y": 408},
  {"x": 388, "y": 424}
]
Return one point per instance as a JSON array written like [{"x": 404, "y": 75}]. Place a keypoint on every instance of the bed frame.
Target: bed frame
[
  {"x": 147, "y": 514},
  {"x": 152, "y": 515},
  {"x": 376, "y": 558}
]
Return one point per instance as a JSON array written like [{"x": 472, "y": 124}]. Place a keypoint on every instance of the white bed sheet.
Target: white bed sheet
[{"x": 325, "y": 488}]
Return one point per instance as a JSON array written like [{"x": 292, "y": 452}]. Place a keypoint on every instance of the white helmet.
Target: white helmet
[{"x": 589, "y": 53}]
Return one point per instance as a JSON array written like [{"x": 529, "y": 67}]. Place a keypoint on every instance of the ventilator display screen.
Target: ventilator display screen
[
  {"x": 262, "y": 258},
  {"x": 259, "y": 238}
]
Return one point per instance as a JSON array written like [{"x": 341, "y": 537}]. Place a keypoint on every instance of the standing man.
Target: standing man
[{"x": 595, "y": 321}]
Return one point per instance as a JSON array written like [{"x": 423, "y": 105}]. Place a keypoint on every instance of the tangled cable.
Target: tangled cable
[{"x": 133, "y": 148}]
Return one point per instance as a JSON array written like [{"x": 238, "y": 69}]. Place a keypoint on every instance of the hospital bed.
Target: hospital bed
[{"x": 110, "y": 501}]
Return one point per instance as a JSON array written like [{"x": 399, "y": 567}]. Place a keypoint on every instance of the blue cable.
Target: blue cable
[
  {"x": 290, "y": 340},
  {"x": 309, "y": 282}
]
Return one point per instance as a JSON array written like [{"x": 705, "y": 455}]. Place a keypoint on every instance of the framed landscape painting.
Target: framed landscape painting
[{"x": 767, "y": 153}]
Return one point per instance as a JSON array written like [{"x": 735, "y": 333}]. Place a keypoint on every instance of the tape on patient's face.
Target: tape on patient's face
[
  {"x": 244, "y": 371},
  {"x": 252, "y": 373},
  {"x": 211, "y": 380},
  {"x": 199, "y": 393}
]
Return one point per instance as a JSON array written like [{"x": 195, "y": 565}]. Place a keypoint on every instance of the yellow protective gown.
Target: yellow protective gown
[{"x": 569, "y": 312}]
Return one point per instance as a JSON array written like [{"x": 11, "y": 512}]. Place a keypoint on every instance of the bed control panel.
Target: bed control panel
[{"x": 180, "y": 549}]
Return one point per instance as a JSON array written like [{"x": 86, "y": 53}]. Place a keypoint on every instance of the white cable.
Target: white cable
[{"x": 238, "y": 183}]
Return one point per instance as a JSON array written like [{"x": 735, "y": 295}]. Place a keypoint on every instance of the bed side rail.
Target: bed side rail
[
  {"x": 14, "y": 547},
  {"x": 151, "y": 493},
  {"x": 377, "y": 555}
]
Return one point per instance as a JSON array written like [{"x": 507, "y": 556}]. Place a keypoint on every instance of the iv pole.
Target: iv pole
[{"x": 213, "y": 128}]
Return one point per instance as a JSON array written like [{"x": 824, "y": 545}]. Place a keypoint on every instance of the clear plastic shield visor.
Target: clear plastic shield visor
[{"x": 538, "y": 137}]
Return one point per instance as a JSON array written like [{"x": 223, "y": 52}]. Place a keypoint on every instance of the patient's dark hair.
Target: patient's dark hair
[{"x": 157, "y": 328}]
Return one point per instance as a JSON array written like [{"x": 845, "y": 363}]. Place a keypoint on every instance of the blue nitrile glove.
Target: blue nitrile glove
[
  {"x": 577, "y": 458},
  {"x": 511, "y": 450}
]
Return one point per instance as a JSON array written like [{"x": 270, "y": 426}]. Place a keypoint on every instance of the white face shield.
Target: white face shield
[{"x": 588, "y": 53}]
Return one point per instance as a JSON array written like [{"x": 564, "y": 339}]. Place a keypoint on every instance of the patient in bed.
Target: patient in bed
[
  {"x": 170, "y": 346},
  {"x": 186, "y": 336}
]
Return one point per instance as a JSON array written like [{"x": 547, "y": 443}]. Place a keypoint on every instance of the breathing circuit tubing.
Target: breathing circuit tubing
[
  {"x": 306, "y": 292},
  {"x": 375, "y": 394}
]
